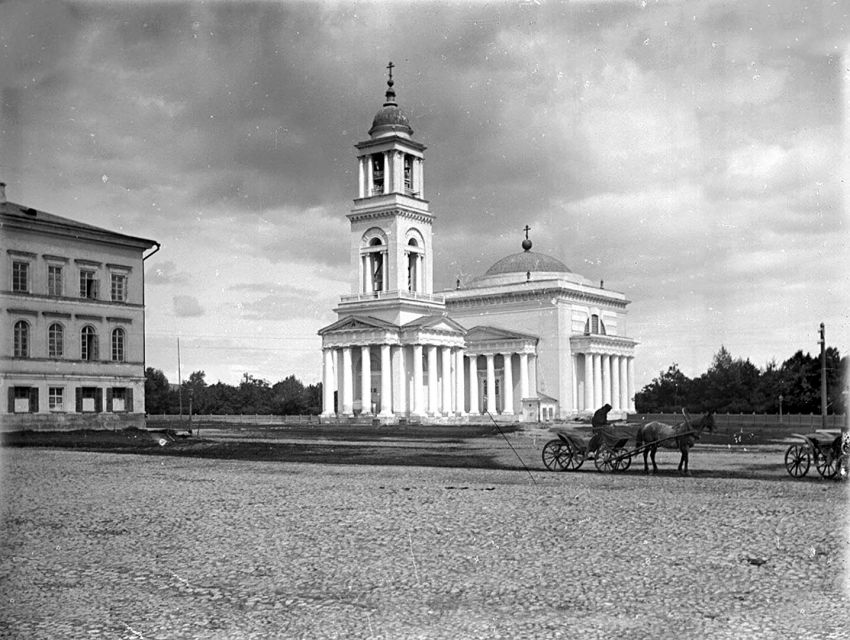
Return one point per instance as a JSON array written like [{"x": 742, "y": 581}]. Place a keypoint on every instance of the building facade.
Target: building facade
[
  {"x": 72, "y": 318},
  {"x": 528, "y": 341}
]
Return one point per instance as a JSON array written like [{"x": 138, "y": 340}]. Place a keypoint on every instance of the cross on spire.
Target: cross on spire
[
  {"x": 526, "y": 229},
  {"x": 390, "y": 68}
]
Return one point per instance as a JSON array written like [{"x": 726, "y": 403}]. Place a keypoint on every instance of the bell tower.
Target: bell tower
[{"x": 391, "y": 225}]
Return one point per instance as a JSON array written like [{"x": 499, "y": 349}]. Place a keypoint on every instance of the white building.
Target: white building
[
  {"x": 529, "y": 340},
  {"x": 73, "y": 323}
]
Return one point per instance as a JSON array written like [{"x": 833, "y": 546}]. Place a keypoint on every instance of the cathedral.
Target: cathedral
[{"x": 527, "y": 341}]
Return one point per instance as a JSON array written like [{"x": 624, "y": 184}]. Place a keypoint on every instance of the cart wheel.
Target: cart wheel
[
  {"x": 605, "y": 460},
  {"x": 827, "y": 464},
  {"x": 622, "y": 460},
  {"x": 553, "y": 453},
  {"x": 797, "y": 460}
]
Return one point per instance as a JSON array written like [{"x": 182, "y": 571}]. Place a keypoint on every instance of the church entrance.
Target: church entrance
[{"x": 482, "y": 391}]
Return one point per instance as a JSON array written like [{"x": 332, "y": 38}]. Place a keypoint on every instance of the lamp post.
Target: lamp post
[{"x": 781, "y": 398}]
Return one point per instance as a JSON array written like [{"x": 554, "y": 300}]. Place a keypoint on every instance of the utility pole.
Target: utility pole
[
  {"x": 823, "y": 375},
  {"x": 179, "y": 381}
]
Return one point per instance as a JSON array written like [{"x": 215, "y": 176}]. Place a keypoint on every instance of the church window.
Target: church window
[
  {"x": 408, "y": 174},
  {"x": 594, "y": 325},
  {"x": 377, "y": 266},
  {"x": 377, "y": 174},
  {"x": 412, "y": 266}
]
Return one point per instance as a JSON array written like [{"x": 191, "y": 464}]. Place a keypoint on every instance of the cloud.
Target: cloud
[
  {"x": 163, "y": 273},
  {"x": 187, "y": 307}
]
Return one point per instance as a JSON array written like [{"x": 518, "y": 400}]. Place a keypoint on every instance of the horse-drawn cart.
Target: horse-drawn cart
[
  {"x": 821, "y": 447},
  {"x": 569, "y": 451}
]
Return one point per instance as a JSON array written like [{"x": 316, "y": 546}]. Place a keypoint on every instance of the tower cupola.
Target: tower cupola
[{"x": 390, "y": 119}]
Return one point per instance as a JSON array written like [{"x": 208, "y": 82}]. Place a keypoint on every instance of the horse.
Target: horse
[{"x": 681, "y": 436}]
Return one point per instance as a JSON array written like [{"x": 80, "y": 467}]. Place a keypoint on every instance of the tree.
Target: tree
[
  {"x": 157, "y": 391},
  {"x": 668, "y": 392}
]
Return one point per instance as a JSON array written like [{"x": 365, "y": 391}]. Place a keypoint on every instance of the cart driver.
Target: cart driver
[{"x": 600, "y": 427}]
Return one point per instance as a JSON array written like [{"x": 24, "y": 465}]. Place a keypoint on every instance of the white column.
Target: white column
[
  {"x": 387, "y": 176},
  {"x": 370, "y": 176},
  {"x": 385, "y": 271},
  {"x": 361, "y": 178},
  {"x": 399, "y": 380},
  {"x": 421, "y": 184},
  {"x": 347, "y": 386},
  {"x": 398, "y": 172},
  {"x": 631, "y": 399},
  {"x": 473, "y": 385},
  {"x": 588, "y": 382},
  {"x": 597, "y": 381},
  {"x": 365, "y": 381},
  {"x": 459, "y": 382},
  {"x": 532, "y": 374},
  {"x": 386, "y": 381},
  {"x": 418, "y": 382},
  {"x": 491, "y": 383},
  {"x": 508, "y": 391},
  {"x": 327, "y": 382},
  {"x": 447, "y": 380},
  {"x": 606, "y": 379},
  {"x": 574, "y": 376},
  {"x": 523, "y": 376},
  {"x": 615, "y": 383},
  {"x": 624, "y": 383},
  {"x": 433, "y": 389}
]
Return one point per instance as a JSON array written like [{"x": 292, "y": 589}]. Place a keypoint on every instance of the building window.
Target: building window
[
  {"x": 377, "y": 174},
  {"x": 88, "y": 343},
  {"x": 56, "y": 398},
  {"x": 88, "y": 284},
  {"x": 594, "y": 325},
  {"x": 119, "y": 287},
  {"x": 20, "y": 276},
  {"x": 119, "y": 399},
  {"x": 56, "y": 341},
  {"x": 54, "y": 280},
  {"x": 377, "y": 265},
  {"x": 89, "y": 399},
  {"x": 408, "y": 174},
  {"x": 118, "y": 345},
  {"x": 23, "y": 399},
  {"x": 22, "y": 339}
]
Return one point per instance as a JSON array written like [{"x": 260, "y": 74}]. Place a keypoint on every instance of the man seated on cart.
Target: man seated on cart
[{"x": 601, "y": 429}]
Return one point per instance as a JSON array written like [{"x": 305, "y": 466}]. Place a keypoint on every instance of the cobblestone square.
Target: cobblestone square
[{"x": 131, "y": 546}]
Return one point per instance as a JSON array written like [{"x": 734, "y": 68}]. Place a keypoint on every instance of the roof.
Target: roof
[
  {"x": 18, "y": 216},
  {"x": 527, "y": 261}
]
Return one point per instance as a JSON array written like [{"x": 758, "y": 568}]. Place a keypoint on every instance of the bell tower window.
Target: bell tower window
[
  {"x": 377, "y": 174},
  {"x": 373, "y": 263},
  {"x": 408, "y": 174}
]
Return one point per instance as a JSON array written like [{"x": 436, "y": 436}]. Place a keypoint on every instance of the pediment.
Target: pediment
[
  {"x": 437, "y": 323},
  {"x": 487, "y": 334},
  {"x": 358, "y": 323}
]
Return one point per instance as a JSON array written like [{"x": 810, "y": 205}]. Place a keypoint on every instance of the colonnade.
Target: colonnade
[
  {"x": 424, "y": 380},
  {"x": 608, "y": 379}
]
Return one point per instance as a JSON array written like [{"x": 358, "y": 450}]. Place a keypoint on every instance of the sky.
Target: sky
[{"x": 689, "y": 154}]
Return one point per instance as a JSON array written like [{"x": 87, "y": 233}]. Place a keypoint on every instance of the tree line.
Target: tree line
[
  {"x": 251, "y": 396},
  {"x": 733, "y": 385}
]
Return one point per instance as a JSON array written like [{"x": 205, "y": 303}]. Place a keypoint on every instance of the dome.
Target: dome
[
  {"x": 390, "y": 118},
  {"x": 527, "y": 261},
  {"x": 524, "y": 267}
]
